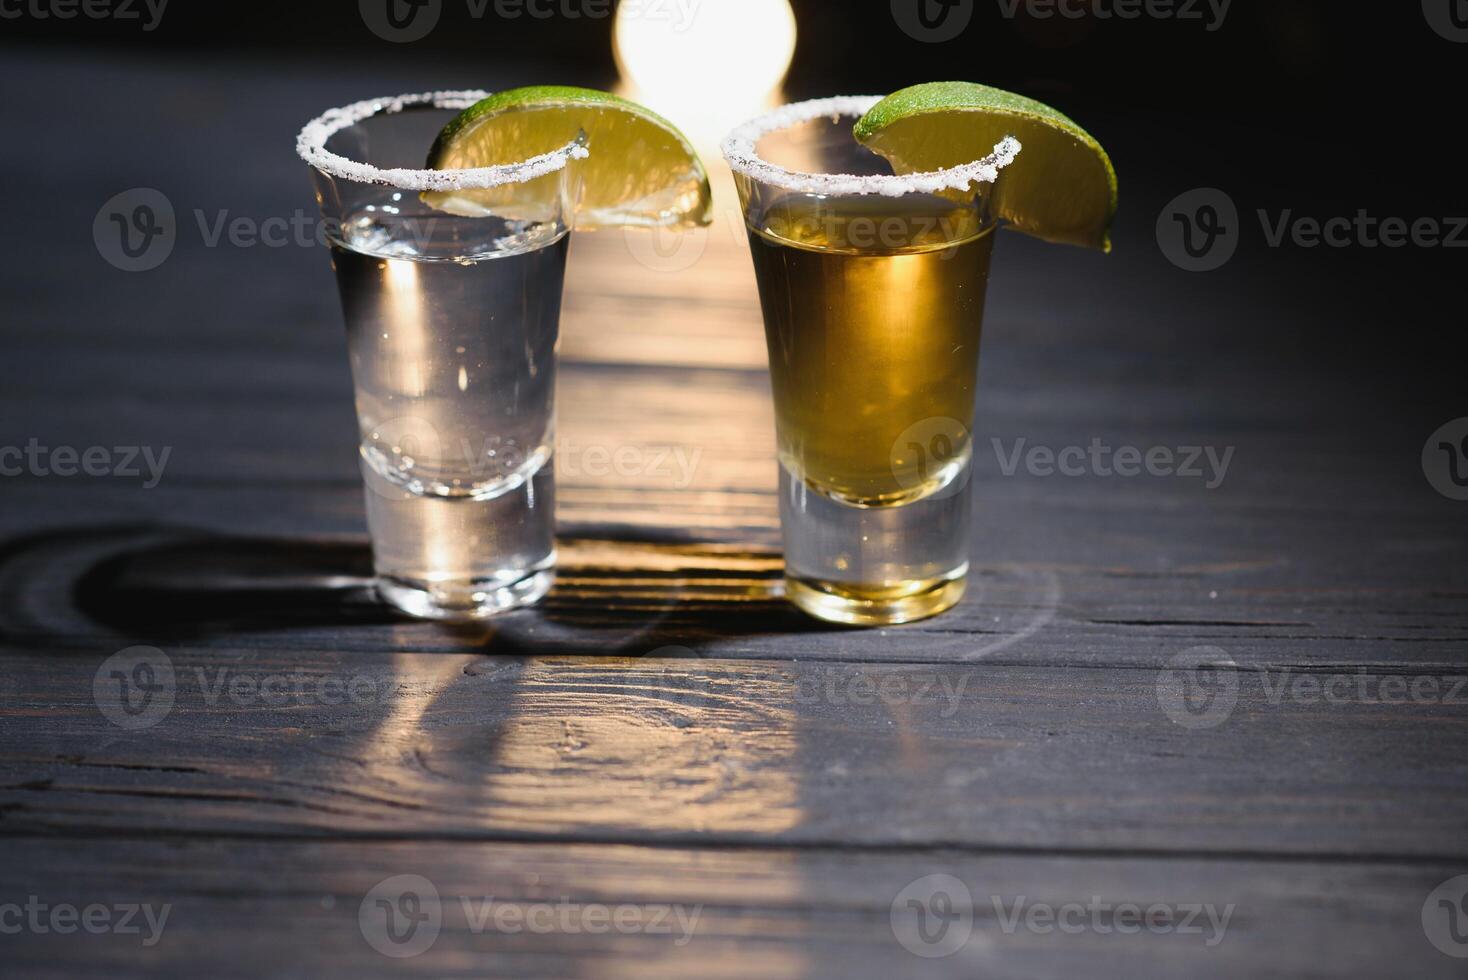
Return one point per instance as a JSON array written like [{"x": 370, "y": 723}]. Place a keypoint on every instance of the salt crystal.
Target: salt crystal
[
  {"x": 739, "y": 150},
  {"x": 311, "y": 145}
]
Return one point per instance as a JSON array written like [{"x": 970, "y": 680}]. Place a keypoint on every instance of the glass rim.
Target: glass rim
[
  {"x": 311, "y": 147},
  {"x": 740, "y": 150}
]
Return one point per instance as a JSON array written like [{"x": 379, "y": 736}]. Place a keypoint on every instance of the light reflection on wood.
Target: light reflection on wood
[
  {"x": 632, "y": 298},
  {"x": 650, "y": 745}
]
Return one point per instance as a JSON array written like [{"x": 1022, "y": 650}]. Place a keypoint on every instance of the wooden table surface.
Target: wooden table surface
[{"x": 664, "y": 739}]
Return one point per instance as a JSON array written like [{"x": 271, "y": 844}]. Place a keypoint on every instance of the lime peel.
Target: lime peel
[
  {"x": 1063, "y": 190},
  {"x": 641, "y": 170}
]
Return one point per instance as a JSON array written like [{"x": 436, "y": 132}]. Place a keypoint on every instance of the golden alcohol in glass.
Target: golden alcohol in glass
[
  {"x": 873, "y": 317},
  {"x": 872, "y": 286}
]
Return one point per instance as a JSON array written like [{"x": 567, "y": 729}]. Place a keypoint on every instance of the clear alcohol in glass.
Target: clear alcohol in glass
[{"x": 452, "y": 327}]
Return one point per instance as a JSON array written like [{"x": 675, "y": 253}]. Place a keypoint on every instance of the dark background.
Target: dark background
[
  {"x": 1327, "y": 549},
  {"x": 1319, "y": 107}
]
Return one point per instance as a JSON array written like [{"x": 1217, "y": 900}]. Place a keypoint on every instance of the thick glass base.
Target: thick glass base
[
  {"x": 874, "y": 566},
  {"x": 838, "y": 602},
  {"x": 461, "y": 559},
  {"x": 463, "y": 602}
]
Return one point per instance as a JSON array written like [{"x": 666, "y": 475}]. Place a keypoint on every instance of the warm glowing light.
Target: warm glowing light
[{"x": 706, "y": 64}]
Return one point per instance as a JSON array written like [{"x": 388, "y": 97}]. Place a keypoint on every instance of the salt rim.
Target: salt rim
[
  {"x": 739, "y": 150},
  {"x": 311, "y": 145}
]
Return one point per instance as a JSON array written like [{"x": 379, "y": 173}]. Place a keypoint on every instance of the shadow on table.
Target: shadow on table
[{"x": 617, "y": 594}]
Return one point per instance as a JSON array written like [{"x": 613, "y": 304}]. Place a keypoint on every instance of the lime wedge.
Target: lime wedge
[
  {"x": 641, "y": 171},
  {"x": 1061, "y": 188}
]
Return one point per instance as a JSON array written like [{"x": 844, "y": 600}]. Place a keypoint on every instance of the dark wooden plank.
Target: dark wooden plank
[
  {"x": 684, "y": 750},
  {"x": 736, "y": 736},
  {"x": 297, "y": 909},
  {"x": 140, "y": 580}
]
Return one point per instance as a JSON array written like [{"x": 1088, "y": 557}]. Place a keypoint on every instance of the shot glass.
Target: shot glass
[
  {"x": 872, "y": 286},
  {"x": 452, "y": 329}
]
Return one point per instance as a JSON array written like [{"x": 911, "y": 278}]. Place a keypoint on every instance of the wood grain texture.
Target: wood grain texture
[
  {"x": 672, "y": 748},
  {"x": 664, "y": 728},
  {"x": 296, "y": 909}
]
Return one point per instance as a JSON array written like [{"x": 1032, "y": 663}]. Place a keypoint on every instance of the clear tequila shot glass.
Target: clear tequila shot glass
[
  {"x": 452, "y": 330},
  {"x": 872, "y": 286}
]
